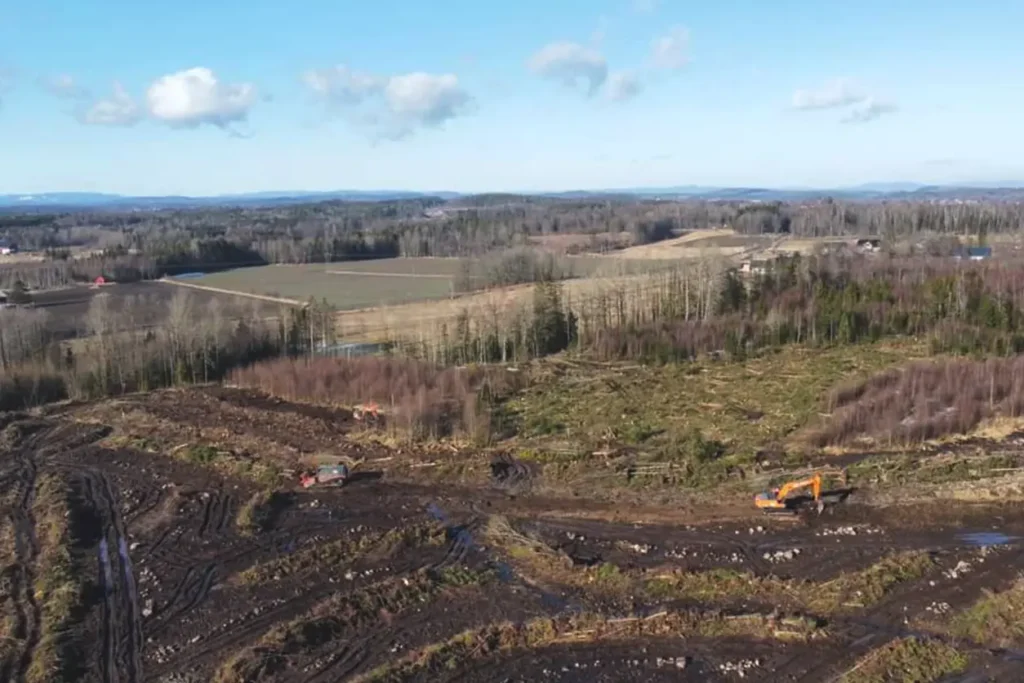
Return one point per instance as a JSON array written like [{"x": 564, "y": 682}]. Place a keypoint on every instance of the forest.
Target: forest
[
  {"x": 134, "y": 245},
  {"x": 696, "y": 309},
  {"x": 701, "y": 309}
]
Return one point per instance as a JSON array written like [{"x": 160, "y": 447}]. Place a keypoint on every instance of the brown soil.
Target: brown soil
[{"x": 350, "y": 581}]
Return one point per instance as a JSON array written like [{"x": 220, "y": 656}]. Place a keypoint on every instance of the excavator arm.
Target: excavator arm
[
  {"x": 776, "y": 500},
  {"x": 789, "y": 487}
]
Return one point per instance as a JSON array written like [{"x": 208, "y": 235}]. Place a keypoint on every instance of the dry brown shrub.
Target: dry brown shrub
[
  {"x": 416, "y": 397},
  {"x": 925, "y": 400}
]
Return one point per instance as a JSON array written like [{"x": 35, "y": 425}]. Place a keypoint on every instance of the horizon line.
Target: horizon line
[{"x": 866, "y": 186}]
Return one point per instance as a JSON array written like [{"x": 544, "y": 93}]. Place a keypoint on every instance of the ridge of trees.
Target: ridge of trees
[
  {"x": 136, "y": 244},
  {"x": 194, "y": 344},
  {"x": 960, "y": 307}
]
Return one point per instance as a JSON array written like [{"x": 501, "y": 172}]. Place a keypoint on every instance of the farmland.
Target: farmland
[
  {"x": 411, "y": 298},
  {"x": 358, "y": 284},
  {"x": 354, "y": 285}
]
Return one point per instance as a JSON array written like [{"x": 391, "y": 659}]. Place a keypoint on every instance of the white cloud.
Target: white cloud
[
  {"x": 644, "y": 6},
  {"x": 569, "y": 64},
  {"x": 426, "y": 98},
  {"x": 341, "y": 84},
  {"x": 120, "y": 109},
  {"x": 394, "y": 106},
  {"x": 670, "y": 50},
  {"x": 190, "y": 98},
  {"x": 65, "y": 87},
  {"x": 832, "y": 95},
  {"x": 622, "y": 86},
  {"x": 842, "y": 94},
  {"x": 869, "y": 110}
]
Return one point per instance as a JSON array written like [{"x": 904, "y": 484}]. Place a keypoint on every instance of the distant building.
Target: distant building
[
  {"x": 869, "y": 244},
  {"x": 351, "y": 349},
  {"x": 754, "y": 267},
  {"x": 979, "y": 253},
  {"x": 7, "y": 247}
]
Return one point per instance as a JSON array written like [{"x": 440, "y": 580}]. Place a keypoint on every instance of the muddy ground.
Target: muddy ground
[{"x": 391, "y": 578}]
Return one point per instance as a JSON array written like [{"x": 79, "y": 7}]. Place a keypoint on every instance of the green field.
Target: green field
[
  {"x": 364, "y": 284},
  {"x": 419, "y": 280}
]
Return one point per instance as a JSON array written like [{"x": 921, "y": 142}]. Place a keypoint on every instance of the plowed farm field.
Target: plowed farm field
[{"x": 162, "y": 537}]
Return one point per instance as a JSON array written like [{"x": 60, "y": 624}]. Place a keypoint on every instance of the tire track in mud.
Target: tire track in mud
[
  {"x": 108, "y": 669},
  {"x": 889, "y": 620},
  {"x": 23, "y": 474},
  {"x": 193, "y": 588},
  {"x": 355, "y": 653},
  {"x": 239, "y": 634},
  {"x": 123, "y": 623},
  {"x": 26, "y": 550},
  {"x": 216, "y": 514}
]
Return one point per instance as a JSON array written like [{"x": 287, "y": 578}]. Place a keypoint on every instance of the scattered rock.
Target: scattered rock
[
  {"x": 676, "y": 662},
  {"x": 781, "y": 555},
  {"x": 640, "y": 548},
  {"x": 849, "y": 531},
  {"x": 740, "y": 668},
  {"x": 962, "y": 567}
]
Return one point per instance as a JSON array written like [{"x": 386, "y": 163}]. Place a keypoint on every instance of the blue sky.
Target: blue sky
[{"x": 204, "y": 98}]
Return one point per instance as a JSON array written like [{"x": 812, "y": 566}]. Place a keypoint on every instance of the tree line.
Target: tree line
[
  {"x": 194, "y": 342},
  {"x": 704, "y": 307},
  {"x": 125, "y": 245},
  {"x": 710, "y": 308}
]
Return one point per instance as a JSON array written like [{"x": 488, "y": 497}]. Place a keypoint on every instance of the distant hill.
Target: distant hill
[
  {"x": 1009, "y": 191},
  {"x": 88, "y": 200}
]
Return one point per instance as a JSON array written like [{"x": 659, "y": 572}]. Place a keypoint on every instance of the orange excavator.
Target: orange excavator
[{"x": 781, "y": 500}]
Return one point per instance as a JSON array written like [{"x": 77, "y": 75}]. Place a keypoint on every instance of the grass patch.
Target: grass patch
[
  {"x": 907, "y": 660},
  {"x": 693, "y": 412},
  {"x": 495, "y": 639},
  {"x": 8, "y": 621},
  {"x": 225, "y": 462},
  {"x": 848, "y": 591},
  {"x": 343, "y": 552},
  {"x": 340, "y": 614},
  {"x": 539, "y": 562},
  {"x": 59, "y": 587},
  {"x": 260, "y": 510},
  {"x": 996, "y": 619},
  {"x": 933, "y": 469},
  {"x": 200, "y": 454}
]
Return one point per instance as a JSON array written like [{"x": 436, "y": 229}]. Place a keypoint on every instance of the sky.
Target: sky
[{"x": 227, "y": 96}]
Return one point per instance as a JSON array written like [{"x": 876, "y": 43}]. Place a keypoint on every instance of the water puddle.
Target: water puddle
[{"x": 986, "y": 538}]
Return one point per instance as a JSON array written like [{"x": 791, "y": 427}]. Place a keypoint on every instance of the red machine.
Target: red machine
[{"x": 327, "y": 475}]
